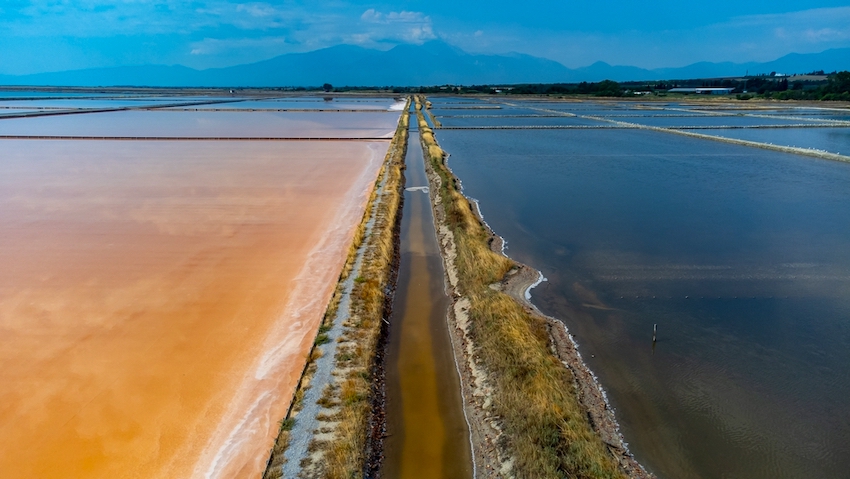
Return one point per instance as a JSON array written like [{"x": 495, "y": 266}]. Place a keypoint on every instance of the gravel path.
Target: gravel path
[{"x": 306, "y": 422}]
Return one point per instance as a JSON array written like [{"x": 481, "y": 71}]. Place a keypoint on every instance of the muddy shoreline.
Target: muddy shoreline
[
  {"x": 591, "y": 394},
  {"x": 490, "y": 452}
]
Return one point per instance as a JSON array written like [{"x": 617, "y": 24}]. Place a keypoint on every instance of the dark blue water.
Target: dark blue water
[
  {"x": 523, "y": 121},
  {"x": 715, "y": 120},
  {"x": 740, "y": 255}
]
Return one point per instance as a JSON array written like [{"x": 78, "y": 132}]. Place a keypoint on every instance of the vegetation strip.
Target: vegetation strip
[
  {"x": 320, "y": 372},
  {"x": 434, "y": 120},
  {"x": 526, "y": 420},
  {"x": 351, "y": 401}
]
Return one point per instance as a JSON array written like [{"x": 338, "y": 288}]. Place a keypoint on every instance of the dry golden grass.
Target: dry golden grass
[
  {"x": 550, "y": 435},
  {"x": 434, "y": 120},
  {"x": 344, "y": 455}
]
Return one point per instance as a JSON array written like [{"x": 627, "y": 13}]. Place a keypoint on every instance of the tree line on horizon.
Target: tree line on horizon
[{"x": 836, "y": 87}]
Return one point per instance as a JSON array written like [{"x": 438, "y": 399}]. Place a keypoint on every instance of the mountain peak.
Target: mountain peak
[{"x": 403, "y": 65}]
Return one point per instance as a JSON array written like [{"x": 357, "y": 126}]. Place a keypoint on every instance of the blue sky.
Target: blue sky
[{"x": 51, "y": 35}]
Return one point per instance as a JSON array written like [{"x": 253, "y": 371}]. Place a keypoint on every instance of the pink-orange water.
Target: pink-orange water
[
  {"x": 208, "y": 124},
  {"x": 157, "y": 299}
]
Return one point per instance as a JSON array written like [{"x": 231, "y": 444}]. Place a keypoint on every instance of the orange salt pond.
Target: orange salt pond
[{"x": 158, "y": 299}]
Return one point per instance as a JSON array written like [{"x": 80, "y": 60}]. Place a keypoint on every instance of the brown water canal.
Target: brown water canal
[{"x": 428, "y": 435}]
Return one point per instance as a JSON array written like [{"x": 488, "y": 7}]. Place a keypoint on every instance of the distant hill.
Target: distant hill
[
  {"x": 836, "y": 59},
  {"x": 432, "y": 63}
]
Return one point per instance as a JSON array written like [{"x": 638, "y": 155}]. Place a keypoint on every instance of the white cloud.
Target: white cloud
[
  {"x": 739, "y": 39},
  {"x": 826, "y": 35},
  {"x": 373, "y": 16},
  {"x": 813, "y": 26},
  {"x": 394, "y": 27},
  {"x": 216, "y": 46},
  {"x": 257, "y": 9},
  {"x": 98, "y": 18}
]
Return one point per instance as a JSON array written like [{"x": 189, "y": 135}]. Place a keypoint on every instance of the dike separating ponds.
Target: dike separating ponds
[
  {"x": 824, "y": 155},
  {"x": 683, "y": 130},
  {"x": 518, "y": 425},
  {"x": 334, "y": 426},
  {"x": 534, "y": 408}
]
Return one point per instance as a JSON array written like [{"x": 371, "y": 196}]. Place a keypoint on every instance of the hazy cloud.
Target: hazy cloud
[
  {"x": 818, "y": 25},
  {"x": 737, "y": 39},
  {"x": 89, "y": 18},
  {"x": 258, "y": 9},
  {"x": 215, "y": 46},
  {"x": 400, "y": 27}
]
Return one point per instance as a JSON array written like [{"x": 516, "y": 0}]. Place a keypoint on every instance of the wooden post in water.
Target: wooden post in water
[{"x": 654, "y": 336}]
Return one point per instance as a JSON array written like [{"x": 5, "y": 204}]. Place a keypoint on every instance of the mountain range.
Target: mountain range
[{"x": 432, "y": 63}]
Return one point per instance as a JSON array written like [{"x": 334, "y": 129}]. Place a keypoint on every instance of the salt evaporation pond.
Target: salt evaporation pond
[
  {"x": 208, "y": 124},
  {"x": 562, "y": 121},
  {"x": 318, "y": 104},
  {"x": 83, "y": 103},
  {"x": 49, "y": 94},
  {"x": 740, "y": 255},
  {"x": 502, "y": 112},
  {"x": 17, "y": 111},
  {"x": 158, "y": 298}
]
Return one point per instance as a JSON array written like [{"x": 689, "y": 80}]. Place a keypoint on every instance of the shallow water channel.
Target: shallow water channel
[{"x": 427, "y": 432}]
